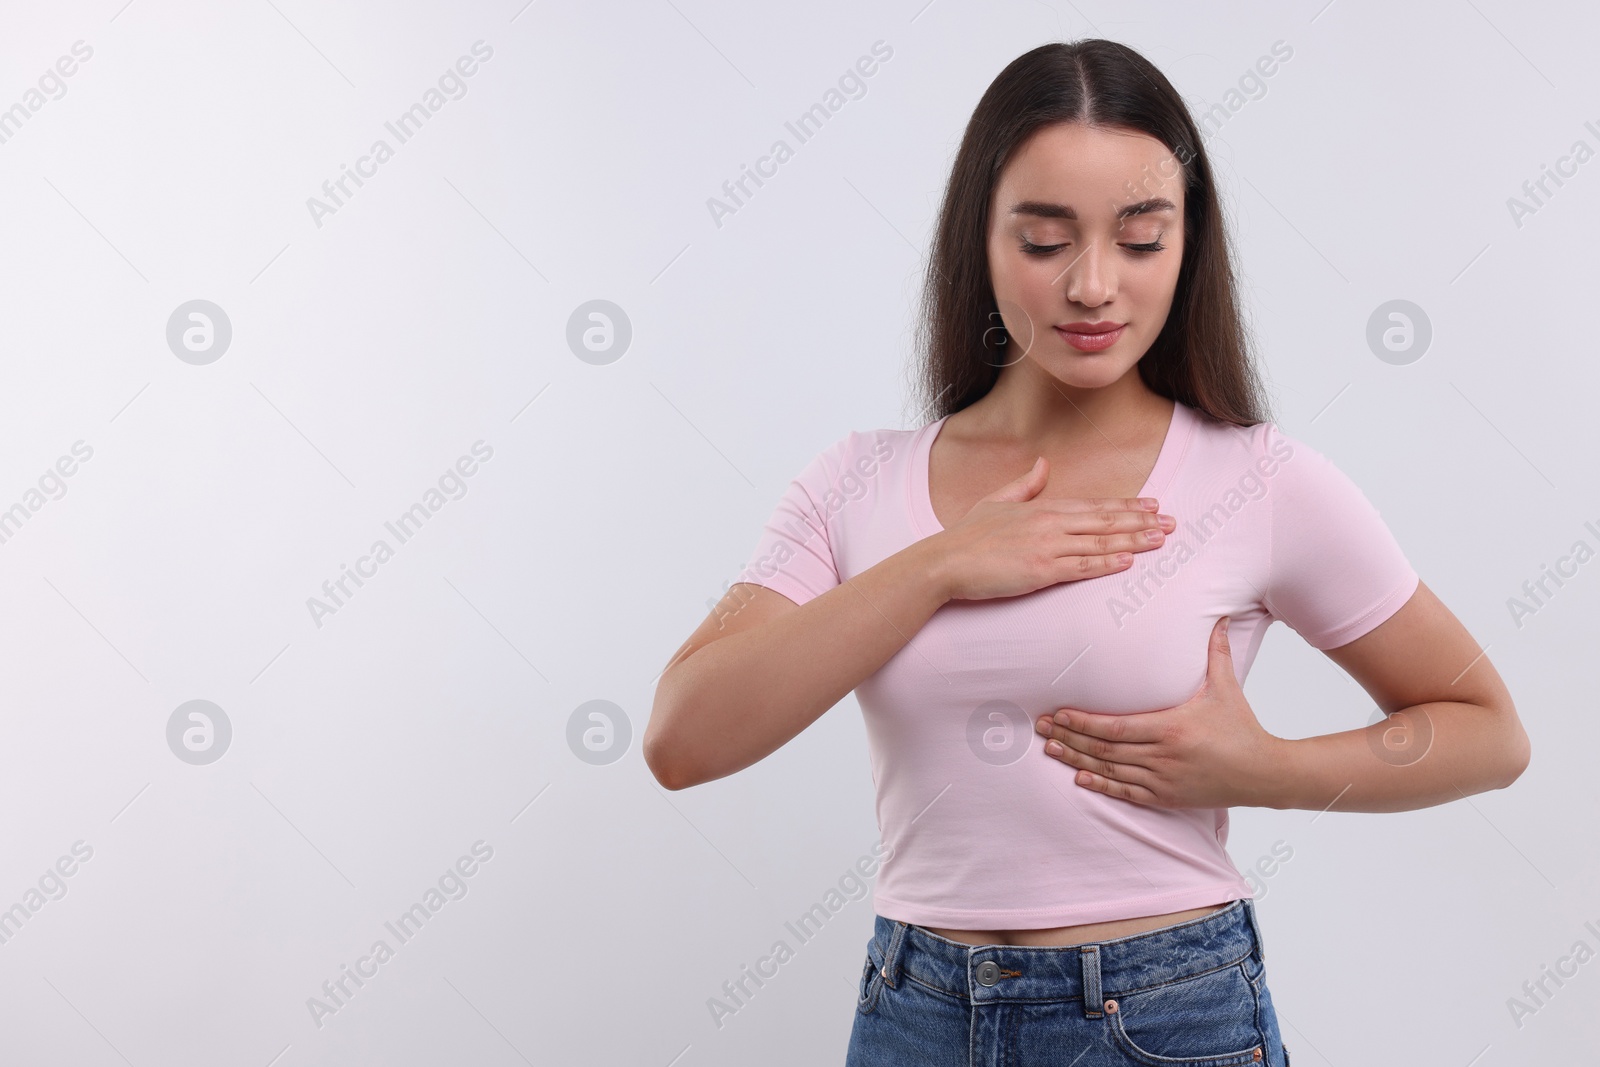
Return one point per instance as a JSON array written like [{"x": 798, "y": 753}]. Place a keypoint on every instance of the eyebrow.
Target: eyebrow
[{"x": 1043, "y": 210}]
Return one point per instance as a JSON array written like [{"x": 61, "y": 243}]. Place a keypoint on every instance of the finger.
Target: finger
[
  {"x": 1110, "y": 770},
  {"x": 1146, "y": 505},
  {"x": 1109, "y": 532},
  {"x": 1080, "y": 760},
  {"x": 1219, "y": 641},
  {"x": 1077, "y": 568},
  {"x": 1108, "y": 544},
  {"x": 1025, "y": 485},
  {"x": 1137, "y": 726},
  {"x": 1097, "y": 748},
  {"x": 1112, "y": 788},
  {"x": 1084, "y": 520}
]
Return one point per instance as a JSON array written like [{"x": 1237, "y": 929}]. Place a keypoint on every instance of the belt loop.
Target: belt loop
[
  {"x": 1255, "y": 928},
  {"x": 892, "y": 954},
  {"x": 1093, "y": 1006}
]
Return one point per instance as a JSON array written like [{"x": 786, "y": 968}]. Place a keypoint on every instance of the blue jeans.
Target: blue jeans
[{"x": 1193, "y": 994}]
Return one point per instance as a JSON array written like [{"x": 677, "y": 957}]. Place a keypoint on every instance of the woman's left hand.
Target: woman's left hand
[{"x": 1208, "y": 752}]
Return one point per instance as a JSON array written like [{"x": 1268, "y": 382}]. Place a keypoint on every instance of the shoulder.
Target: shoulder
[
  {"x": 1309, "y": 494},
  {"x": 856, "y": 463},
  {"x": 1262, "y": 446},
  {"x": 863, "y": 451},
  {"x": 1217, "y": 431}
]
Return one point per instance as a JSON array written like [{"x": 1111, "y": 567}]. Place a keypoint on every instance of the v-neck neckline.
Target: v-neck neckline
[{"x": 1173, "y": 446}]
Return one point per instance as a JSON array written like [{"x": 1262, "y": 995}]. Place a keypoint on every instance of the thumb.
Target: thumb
[
  {"x": 1027, "y": 485},
  {"x": 1220, "y": 654}
]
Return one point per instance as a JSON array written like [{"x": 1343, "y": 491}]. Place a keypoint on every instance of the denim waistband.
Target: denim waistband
[{"x": 1090, "y": 972}]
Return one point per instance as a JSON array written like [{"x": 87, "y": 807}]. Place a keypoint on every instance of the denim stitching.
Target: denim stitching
[
  {"x": 1181, "y": 978},
  {"x": 1250, "y": 1056},
  {"x": 1093, "y": 1005},
  {"x": 891, "y": 959},
  {"x": 1255, "y": 991},
  {"x": 1227, "y": 1059},
  {"x": 874, "y": 979},
  {"x": 1255, "y": 928},
  {"x": 904, "y": 971}
]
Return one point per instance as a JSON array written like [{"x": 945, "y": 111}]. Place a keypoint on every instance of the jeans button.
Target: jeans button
[{"x": 988, "y": 972}]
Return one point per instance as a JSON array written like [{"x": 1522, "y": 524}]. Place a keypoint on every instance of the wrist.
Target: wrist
[
  {"x": 1285, "y": 783},
  {"x": 932, "y": 565}
]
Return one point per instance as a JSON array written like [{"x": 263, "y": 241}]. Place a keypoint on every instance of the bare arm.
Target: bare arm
[
  {"x": 1451, "y": 728},
  {"x": 761, "y": 669}
]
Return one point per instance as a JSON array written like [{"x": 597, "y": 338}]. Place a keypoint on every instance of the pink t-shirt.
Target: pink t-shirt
[{"x": 986, "y": 830}]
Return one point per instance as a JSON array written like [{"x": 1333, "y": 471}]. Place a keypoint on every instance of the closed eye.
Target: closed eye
[{"x": 1048, "y": 250}]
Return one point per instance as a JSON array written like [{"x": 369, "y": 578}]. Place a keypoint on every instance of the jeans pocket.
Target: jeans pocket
[
  {"x": 1254, "y": 968},
  {"x": 1207, "y": 1020},
  {"x": 871, "y": 981}
]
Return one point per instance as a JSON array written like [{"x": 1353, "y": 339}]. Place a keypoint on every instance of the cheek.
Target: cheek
[
  {"x": 1023, "y": 285},
  {"x": 1155, "y": 286},
  {"x": 1000, "y": 273},
  {"x": 1032, "y": 279}
]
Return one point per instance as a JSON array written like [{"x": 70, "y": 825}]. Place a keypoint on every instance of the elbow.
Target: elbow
[
  {"x": 1518, "y": 751},
  {"x": 674, "y": 745},
  {"x": 661, "y": 767},
  {"x": 655, "y": 745},
  {"x": 1521, "y": 764},
  {"x": 663, "y": 757}
]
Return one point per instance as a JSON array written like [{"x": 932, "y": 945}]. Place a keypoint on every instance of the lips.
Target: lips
[
  {"x": 1091, "y": 336},
  {"x": 1091, "y": 327}
]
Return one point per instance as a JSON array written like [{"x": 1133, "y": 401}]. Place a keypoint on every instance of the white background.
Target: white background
[{"x": 431, "y": 710}]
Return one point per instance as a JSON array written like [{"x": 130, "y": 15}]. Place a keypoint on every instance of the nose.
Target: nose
[{"x": 1088, "y": 277}]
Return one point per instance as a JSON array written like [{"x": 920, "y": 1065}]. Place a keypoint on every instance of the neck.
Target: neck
[{"x": 1029, "y": 405}]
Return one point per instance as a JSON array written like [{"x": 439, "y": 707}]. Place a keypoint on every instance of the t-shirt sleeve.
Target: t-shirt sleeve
[
  {"x": 1335, "y": 571},
  {"x": 794, "y": 553}
]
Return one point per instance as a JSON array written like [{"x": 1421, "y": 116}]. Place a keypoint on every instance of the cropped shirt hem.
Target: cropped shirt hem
[{"x": 1057, "y": 915}]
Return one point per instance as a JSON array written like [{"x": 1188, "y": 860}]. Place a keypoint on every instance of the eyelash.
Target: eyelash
[{"x": 1044, "y": 250}]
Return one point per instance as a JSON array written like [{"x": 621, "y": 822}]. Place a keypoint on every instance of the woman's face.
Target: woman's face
[{"x": 1068, "y": 248}]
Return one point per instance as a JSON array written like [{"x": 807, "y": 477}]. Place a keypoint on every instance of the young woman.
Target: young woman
[{"x": 1049, "y": 662}]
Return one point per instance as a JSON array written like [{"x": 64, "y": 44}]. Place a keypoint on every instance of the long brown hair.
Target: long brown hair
[{"x": 1201, "y": 357}]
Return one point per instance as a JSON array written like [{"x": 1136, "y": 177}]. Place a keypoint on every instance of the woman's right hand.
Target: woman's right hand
[{"x": 1010, "y": 543}]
